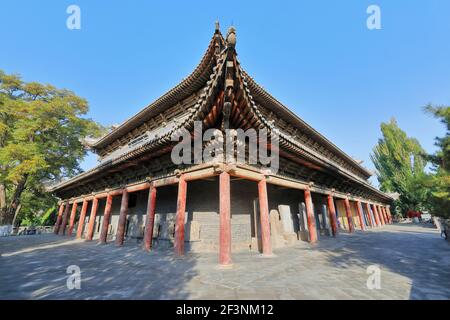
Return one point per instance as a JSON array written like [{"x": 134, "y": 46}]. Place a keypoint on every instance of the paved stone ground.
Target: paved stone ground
[{"x": 414, "y": 262}]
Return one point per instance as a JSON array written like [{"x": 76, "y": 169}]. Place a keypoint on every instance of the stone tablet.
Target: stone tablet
[
  {"x": 192, "y": 232},
  {"x": 286, "y": 218}
]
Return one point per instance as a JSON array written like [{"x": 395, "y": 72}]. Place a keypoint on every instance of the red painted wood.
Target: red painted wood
[
  {"x": 138, "y": 187},
  {"x": 360, "y": 215},
  {"x": 310, "y": 216},
  {"x": 332, "y": 213},
  {"x": 90, "y": 230},
  {"x": 348, "y": 213},
  {"x": 377, "y": 218},
  {"x": 197, "y": 176},
  {"x": 380, "y": 208},
  {"x": 375, "y": 213},
  {"x": 65, "y": 217},
  {"x": 114, "y": 193},
  {"x": 386, "y": 217},
  {"x": 369, "y": 215},
  {"x": 264, "y": 218},
  {"x": 181, "y": 214},
  {"x": 82, "y": 218},
  {"x": 148, "y": 233},
  {"x": 380, "y": 213},
  {"x": 101, "y": 195},
  {"x": 389, "y": 214},
  {"x": 225, "y": 219},
  {"x": 165, "y": 182},
  {"x": 106, "y": 219},
  {"x": 73, "y": 214},
  {"x": 59, "y": 218},
  {"x": 120, "y": 234}
]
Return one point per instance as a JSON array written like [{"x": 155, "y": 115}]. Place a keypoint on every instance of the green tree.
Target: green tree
[
  {"x": 400, "y": 164},
  {"x": 439, "y": 181},
  {"x": 42, "y": 130}
]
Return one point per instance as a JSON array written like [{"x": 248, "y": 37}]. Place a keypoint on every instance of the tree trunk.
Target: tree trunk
[
  {"x": 15, "y": 201},
  {"x": 2, "y": 203},
  {"x": 16, "y": 214}
]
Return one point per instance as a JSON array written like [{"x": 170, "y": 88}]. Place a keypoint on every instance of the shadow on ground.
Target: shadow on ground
[
  {"x": 39, "y": 271},
  {"x": 414, "y": 263},
  {"x": 415, "y": 252}
]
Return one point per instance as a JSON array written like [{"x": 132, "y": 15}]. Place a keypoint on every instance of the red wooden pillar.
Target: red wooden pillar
[
  {"x": 148, "y": 233},
  {"x": 264, "y": 217},
  {"x": 106, "y": 219},
  {"x": 375, "y": 213},
  {"x": 360, "y": 215},
  {"x": 120, "y": 234},
  {"x": 181, "y": 216},
  {"x": 386, "y": 216},
  {"x": 82, "y": 218},
  {"x": 375, "y": 218},
  {"x": 65, "y": 217},
  {"x": 225, "y": 220},
  {"x": 90, "y": 230},
  {"x": 73, "y": 213},
  {"x": 380, "y": 213},
  {"x": 348, "y": 212},
  {"x": 310, "y": 216},
  {"x": 59, "y": 218},
  {"x": 369, "y": 215},
  {"x": 332, "y": 213},
  {"x": 389, "y": 213}
]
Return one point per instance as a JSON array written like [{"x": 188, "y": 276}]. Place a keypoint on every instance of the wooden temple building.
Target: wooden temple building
[{"x": 137, "y": 193}]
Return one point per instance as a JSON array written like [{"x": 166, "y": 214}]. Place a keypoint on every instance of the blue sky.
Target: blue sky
[{"x": 317, "y": 57}]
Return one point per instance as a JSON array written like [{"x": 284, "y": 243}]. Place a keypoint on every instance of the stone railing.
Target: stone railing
[
  {"x": 6, "y": 230},
  {"x": 32, "y": 230},
  {"x": 9, "y": 230}
]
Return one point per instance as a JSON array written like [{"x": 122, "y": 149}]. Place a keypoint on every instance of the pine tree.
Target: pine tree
[
  {"x": 439, "y": 181},
  {"x": 400, "y": 164}
]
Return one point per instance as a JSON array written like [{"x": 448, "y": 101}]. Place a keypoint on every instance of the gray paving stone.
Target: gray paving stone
[{"x": 413, "y": 260}]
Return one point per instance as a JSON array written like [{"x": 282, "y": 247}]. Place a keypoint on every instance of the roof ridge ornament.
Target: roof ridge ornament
[
  {"x": 217, "y": 24},
  {"x": 218, "y": 40},
  {"x": 231, "y": 37}
]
